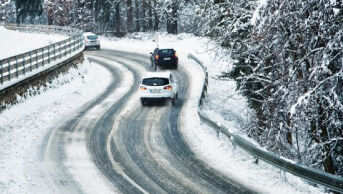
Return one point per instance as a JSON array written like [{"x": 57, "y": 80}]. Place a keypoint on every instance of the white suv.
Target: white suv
[
  {"x": 91, "y": 40},
  {"x": 157, "y": 86}
]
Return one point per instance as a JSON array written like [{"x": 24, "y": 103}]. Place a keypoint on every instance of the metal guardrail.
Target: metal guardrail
[
  {"x": 15, "y": 66},
  {"x": 313, "y": 175}
]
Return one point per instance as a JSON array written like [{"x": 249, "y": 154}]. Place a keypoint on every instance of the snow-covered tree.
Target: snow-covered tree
[
  {"x": 58, "y": 12},
  {"x": 28, "y": 10},
  {"x": 291, "y": 73}
]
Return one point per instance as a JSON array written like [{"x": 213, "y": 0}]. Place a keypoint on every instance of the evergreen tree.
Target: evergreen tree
[
  {"x": 291, "y": 73},
  {"x": 28, "y": 9}
]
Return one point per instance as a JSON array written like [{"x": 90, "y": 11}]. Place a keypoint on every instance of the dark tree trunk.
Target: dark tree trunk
[
  {"x": 138, "y": 27},
  {"x": 324, "y": 138},
  {"x": 117, "y": 19},
  {"x": 150, "y": 15},
  {"x": 96, "y": 9},
  {"x": 156, "y": 16},
  {"x": 129, "y": 14},
  {"x": 289, "y": 132},
  {"x": 168, "y": 16},
  {"x": 144, "y": 21},
  {"x": 172, "y": 18}
]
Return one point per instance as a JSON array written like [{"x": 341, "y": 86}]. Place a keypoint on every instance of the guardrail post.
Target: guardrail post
[
  {"x": 1, "y": 73},
  {"x": 74, "y": 41},
  {"x": 256, "y": 160},
  {"x": 59, "y": 48},
  {"x": 283, "y": 175},
  {"x": 23, "y": 63},
  {"x": 36, "y": 59},
  {"x": 30, "y": 60},
  {"x": 70, "y": 46},
  {"x": 9, "y": 69},
  {"x": 43, "y": 56},
  {"x": 54, "y": 52},
  {"x": 65, "y": 48},
  {"x": 49, "y": 54},
  {"x": 16, "y": 66}
]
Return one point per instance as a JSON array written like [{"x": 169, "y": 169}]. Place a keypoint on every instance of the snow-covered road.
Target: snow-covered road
[{"x": 47, "y": 143}]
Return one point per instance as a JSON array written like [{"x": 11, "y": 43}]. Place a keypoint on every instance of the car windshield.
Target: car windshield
[
  {"x": 166, "y": 52},
  {"x": 155, "y": 81},
  {"x": 92, "y": 37}
]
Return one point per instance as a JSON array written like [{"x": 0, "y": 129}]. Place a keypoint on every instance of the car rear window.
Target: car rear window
[
  {"x": 92, "y": 37},
  {"x": 156, "y": 81},
  {"x": 166, "y": 52}
]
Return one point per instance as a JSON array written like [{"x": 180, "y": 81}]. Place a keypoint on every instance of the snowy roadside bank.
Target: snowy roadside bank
[
  {"x": 24, "y": 126},
  {"x": 15, "y": 42},
  {"x": 223, "y": 104}
]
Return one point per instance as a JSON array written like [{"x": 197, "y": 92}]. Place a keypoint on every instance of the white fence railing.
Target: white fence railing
[
  {"x": 313, "y": 175},
  {"x": 16, "y": 66}
]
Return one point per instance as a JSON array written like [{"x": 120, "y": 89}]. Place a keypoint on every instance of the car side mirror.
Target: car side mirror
[{"x": 150, "y": 53}]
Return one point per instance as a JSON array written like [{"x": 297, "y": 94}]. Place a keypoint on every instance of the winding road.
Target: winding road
[{"x": 115, "y": 145}]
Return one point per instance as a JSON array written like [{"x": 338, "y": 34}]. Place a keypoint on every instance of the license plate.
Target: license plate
[
  {"x": 167, "y": 59},
  {"x": 155, "y": 91}
]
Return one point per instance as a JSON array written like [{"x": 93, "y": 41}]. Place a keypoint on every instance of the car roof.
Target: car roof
[
  {"x": 157, "y": 74},
  {"x": 166, "y": 49},
  {"x": 88, "y": 33}
]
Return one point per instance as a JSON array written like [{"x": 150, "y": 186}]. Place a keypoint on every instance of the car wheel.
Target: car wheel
[
  {"x": 143, "y": 102},
  {"x": 98, "y": 47}
]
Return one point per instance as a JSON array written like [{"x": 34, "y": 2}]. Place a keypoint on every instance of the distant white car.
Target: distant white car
[
  {"x": 158, "y": 86},
  {"x": 91, "y": 40}
]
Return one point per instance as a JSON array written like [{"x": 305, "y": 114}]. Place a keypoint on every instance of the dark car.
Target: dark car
[{"x": 167, "y": 58}]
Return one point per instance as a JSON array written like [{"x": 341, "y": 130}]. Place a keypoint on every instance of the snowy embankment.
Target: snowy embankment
[
  {"x": 15, "y": 42},
  {"x": 24, "y": 126},
  {"x": 223, "y": 103}
]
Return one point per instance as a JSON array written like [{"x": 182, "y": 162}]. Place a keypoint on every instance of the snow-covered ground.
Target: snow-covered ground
[
  {"x": 23, "y": 126},
  {"x": 15, "y": 42}
]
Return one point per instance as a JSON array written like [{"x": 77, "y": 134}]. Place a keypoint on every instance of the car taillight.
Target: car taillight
[
  {"x": 167, "y": 88},
  {"x": 175, "y": 55},
  {"x": 142, "y": 88},
  {"x": 156, "y": 57}
]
